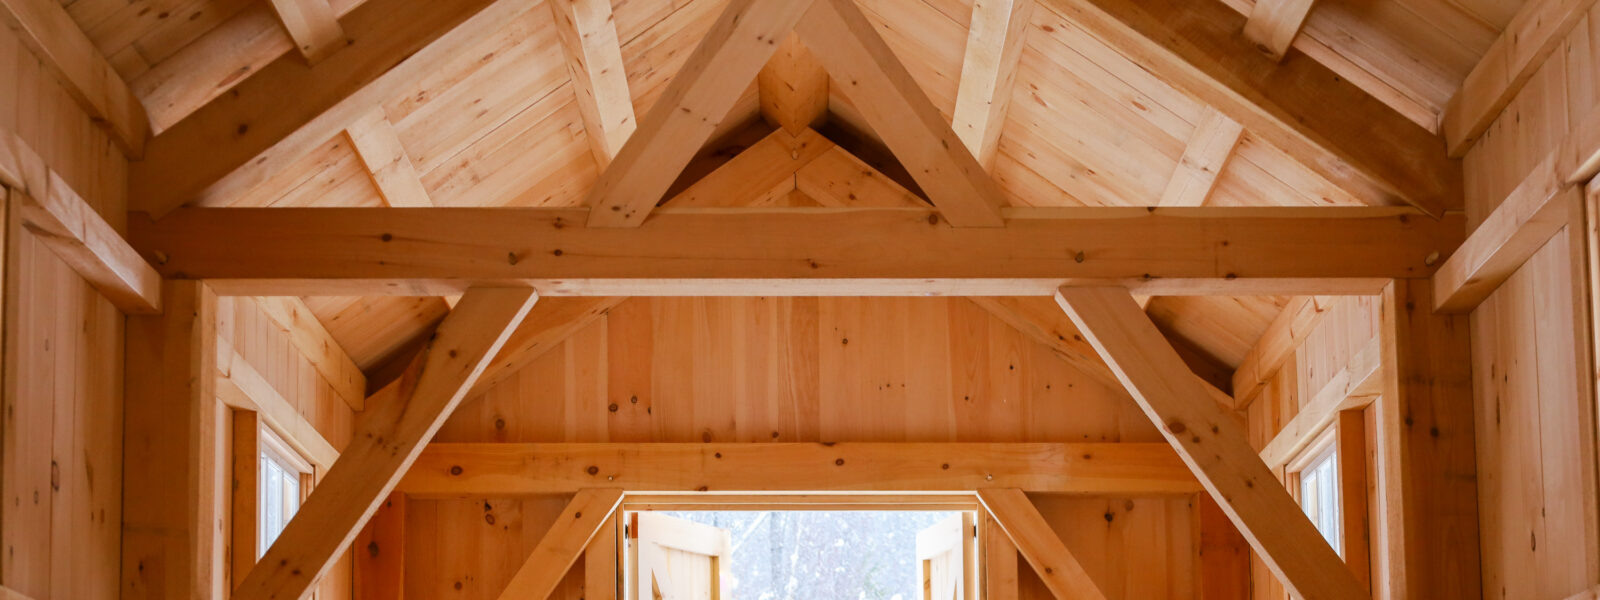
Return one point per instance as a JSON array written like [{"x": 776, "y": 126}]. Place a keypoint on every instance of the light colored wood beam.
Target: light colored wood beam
[
  {"x": 79, "y": 236},
  {"x": 1207, "y": 153},
  {"x": 793, "y": 88},
  {"x": 727, "y": 59},
  {"x": 46, "y": 28},
  {"x": 1210, "y": 442},
  {"x": 326, "y": 356},
  {"x": 1353, "y": 387},
  {"x": 172, "y": 546},
  {"x": 313, "y": 26},
  {"x": 388, "y": 438},
  {"x": 380, "y": 553},
  {"x": 377, "y": 144},
  {"x": 436, "y": 252},
  {"x": 988, "y": 69},
  {"x": 244, "y": 495},
  {"x": 241, "y": 386},
  {"x": 762, "y": 175},
  {"x": 1277, "y": 344},
  {"x": 157, "y": 193},
  {"x": 1033, "y": 537},
  {"x": 1427, "y": 511},
  {"x": 82, "y": 239},
  {"x": 1322, "y": 120},
  {"x": 599, "y": 79},
  {"x": 1273, "y": 24},
  {"x": 1546, "y": 200},
  {"x": 897, "y": 109},
  {"x": 585, "y": 515},
  {"x": 500, "y": 469},
  {"x": 1537, "y": 30}
]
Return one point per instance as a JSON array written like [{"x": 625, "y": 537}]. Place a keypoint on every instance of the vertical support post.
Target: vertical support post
[
  {"x": 246, "y": 478},
  {"x": 1427, "y": 527},
  {"x": 171, "y": 518}
]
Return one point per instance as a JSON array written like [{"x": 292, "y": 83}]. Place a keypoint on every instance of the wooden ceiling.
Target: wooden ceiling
[{"x": 495, "y": 118}]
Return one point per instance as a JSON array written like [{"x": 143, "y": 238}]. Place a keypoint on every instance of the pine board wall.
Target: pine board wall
[
  {"x": 266, "y": 346},
  {"x": 60, "y": 430},
  {"x": 1533, "y": 397},
  {"x": 801, "y": 369}
]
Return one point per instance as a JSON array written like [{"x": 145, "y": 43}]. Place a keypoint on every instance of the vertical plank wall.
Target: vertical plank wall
[
  {"x": 268, "y": 349},
  {"x": 1534, "y": 405},
  {"x": 801, "y": 369},
  {"x": 1348, "y": 325},
  {"x": 60, "y": 430}
]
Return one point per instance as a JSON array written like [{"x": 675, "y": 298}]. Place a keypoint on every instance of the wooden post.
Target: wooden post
[
  {"x": 171, "y": 518},
  {"x": 1426, "y": 530},
  {"x": 245, "y": 495}
]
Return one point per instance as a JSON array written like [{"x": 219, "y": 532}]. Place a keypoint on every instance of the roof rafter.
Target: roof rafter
[
  {"x": 46, "y": 28},
  {"x": 186, "y": 166},
  {"x": 599, "y": 79},
  {"x": 988, "y": 70},
  {"x": 1273, "y": 24},
  {"x": 1320, "y": 119},
  {"x": 1204, "y": 157},
  {"x": 312, "y": 25}
]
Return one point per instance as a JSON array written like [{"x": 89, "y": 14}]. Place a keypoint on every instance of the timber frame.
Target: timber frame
[{"x": 907, "y": 197}]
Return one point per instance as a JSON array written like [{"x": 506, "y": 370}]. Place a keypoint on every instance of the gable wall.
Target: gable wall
[{"x": 801, "y": 369}]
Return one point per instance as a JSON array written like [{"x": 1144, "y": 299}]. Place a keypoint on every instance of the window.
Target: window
[
  {"x": 782, "y": 554},
  {"x": 1329, "y": 480},
  {"x": 1319, "y": 495},
  {"x": 280, "y": 487}
]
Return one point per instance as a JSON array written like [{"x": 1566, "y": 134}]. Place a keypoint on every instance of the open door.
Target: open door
[
  {"x": 676, "y": 559},
  {"x": 947, "y": 559}
]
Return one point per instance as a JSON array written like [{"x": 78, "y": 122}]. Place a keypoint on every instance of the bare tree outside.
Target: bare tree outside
[{"x": 809, "y": 555}]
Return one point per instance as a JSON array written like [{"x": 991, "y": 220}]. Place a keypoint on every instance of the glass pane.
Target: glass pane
[
  {"x": 1319, "y": 497},
  {"x": 792, "y": 555}
]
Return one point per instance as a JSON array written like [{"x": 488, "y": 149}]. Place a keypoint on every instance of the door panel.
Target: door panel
[
  {"x": 676, "y": 559},
  {"x": 946, "y": 559}
]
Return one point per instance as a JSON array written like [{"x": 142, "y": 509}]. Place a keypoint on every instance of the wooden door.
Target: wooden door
[
  {"x": 676, "y": 559},
  {"x": 946, "y": 559}
]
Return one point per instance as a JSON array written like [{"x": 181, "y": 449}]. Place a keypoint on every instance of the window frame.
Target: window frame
[
  {"x": 253, "y": 439},
  {"x": 1344, "y": 440}
]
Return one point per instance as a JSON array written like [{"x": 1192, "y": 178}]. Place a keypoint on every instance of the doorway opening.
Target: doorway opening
[{"x": 800, "y": 553}]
